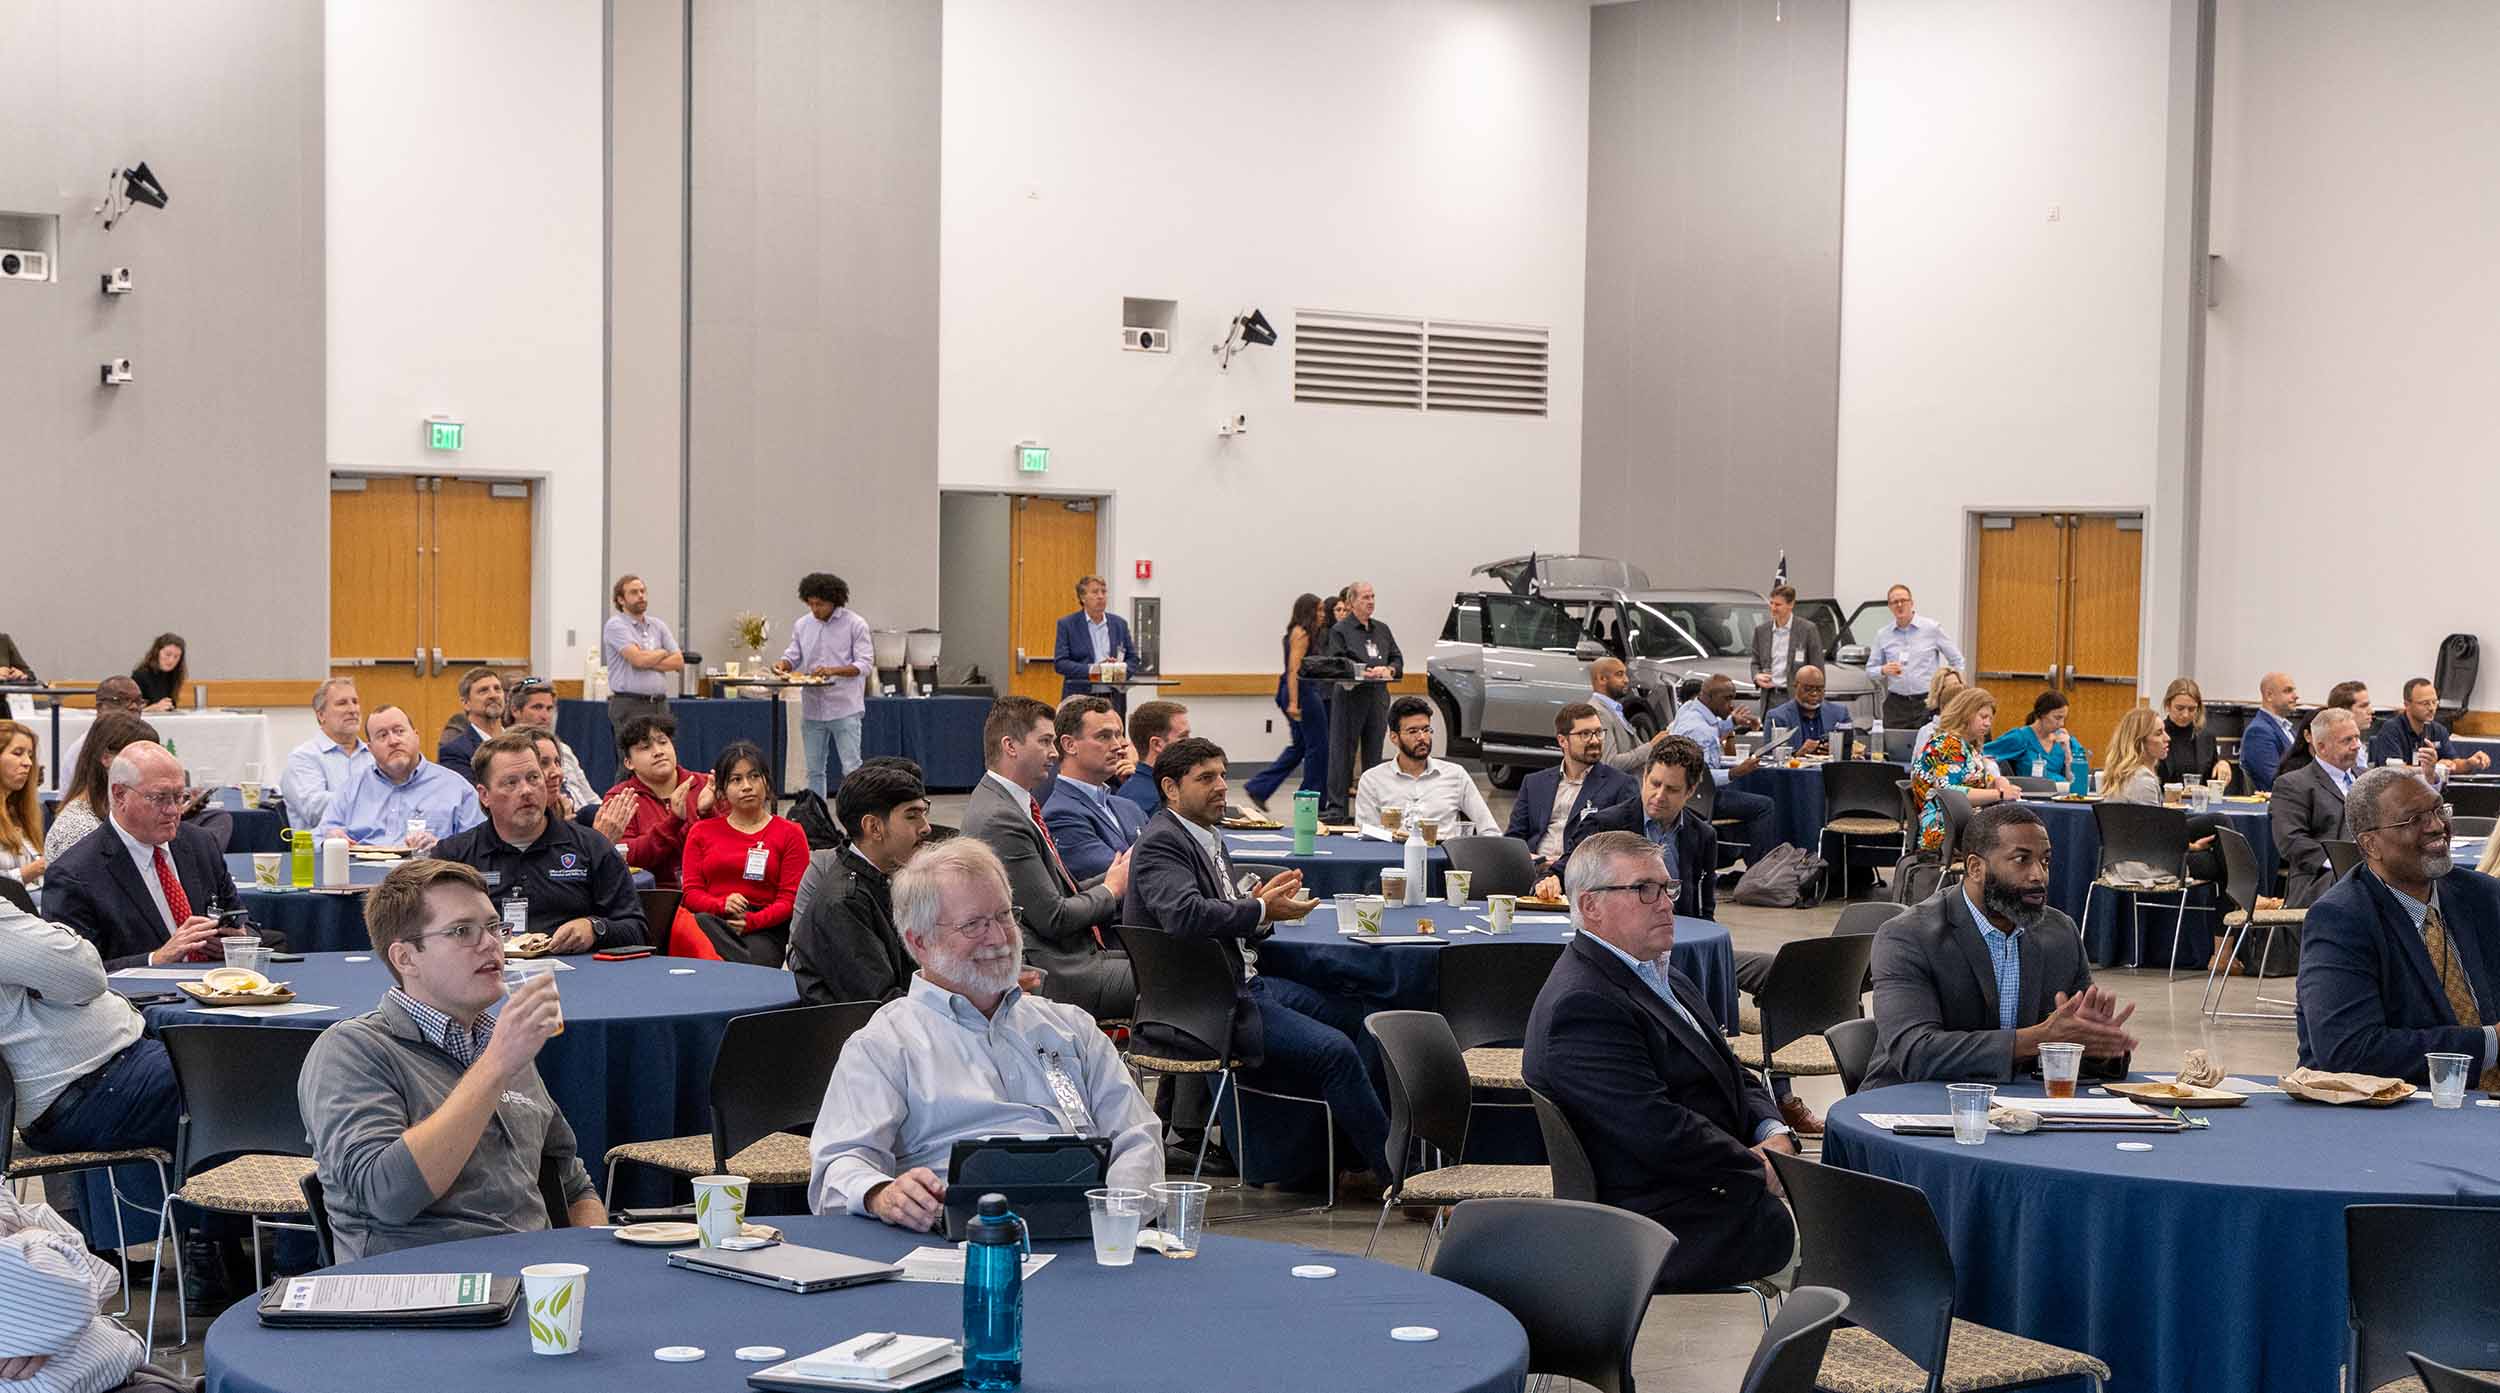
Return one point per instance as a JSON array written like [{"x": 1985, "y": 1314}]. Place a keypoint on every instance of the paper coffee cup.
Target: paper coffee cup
[
  {"x": 720, "y": 1207},
  {"x": 1454, "y": 884},
  {"x": 251, "y": 795},
  {"x": 555, "y": 1292},
  {"x": 1502, "y": 908},
  {"x": 268, "y": 869},
  {"x": 1368, "y": 912}
]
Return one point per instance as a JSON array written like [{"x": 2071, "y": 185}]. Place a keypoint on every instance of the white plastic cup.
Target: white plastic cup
[
  {"x": 237, "y": 950},
  {"x": 554, "y": 1293},
  {"x": 1347, "y": 903},
  {"x": 1970, "y": 1111},
  {"x": 1116, "y": 1214},
  {"x": 1455, "y": 884},
  {"x": 720, "y": 1207},
  {"x": 268, "y": 869},
  {"x": 517, "y": 971},
  {"x": 2448, "y": 1075},
  {"x": 1184, "y": 1213},
  {"x": 1500, "y": 910},
  {"x": 1369, "y": 911}
]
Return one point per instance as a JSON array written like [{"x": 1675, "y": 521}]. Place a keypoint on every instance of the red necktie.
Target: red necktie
[
  {"x": 177, "y": 903},
  {"x": 1066, "y": 880}
]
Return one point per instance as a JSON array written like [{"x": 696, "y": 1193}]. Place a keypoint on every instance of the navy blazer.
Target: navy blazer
[
  {"x": 95, "y": 889},
  {"x": 1666, "y": 1114},
  {"x": 1533, "y": 811},
  {"x": 1172, "y": 887},
  {"x": 1696, "y": 844},
  {"x": 2370, "y": 1001},
  {"x": 1073, "y": 651},
  {"x": 2262, "y": 747},
  {"x": 1142, "y": 792},
  {"x": 1089, "y": 835}
]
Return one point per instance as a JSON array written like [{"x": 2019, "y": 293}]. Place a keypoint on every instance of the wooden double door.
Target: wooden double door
[
  {"x": 2060, "y": 606},
  {"x": 429, "y": 577},
  {"x": 1051, "y": 542}
]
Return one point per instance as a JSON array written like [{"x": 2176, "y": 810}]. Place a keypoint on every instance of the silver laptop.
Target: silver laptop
[{"x": 785, "y": 1265}]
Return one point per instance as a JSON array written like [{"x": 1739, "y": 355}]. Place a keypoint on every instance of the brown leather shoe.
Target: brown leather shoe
[{"x": 1800, "y": 1118}]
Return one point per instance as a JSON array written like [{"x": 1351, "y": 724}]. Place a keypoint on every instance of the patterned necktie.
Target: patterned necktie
[
  {"x": 1067, "y": 882},
  {"x": 177, "y": 904},
  {"x": 2452, "y": 980}
]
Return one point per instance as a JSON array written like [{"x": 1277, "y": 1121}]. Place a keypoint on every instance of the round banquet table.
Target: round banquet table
[
  {"x": 634, "y": 1062},
  {"x": 2215, "y": 1260},
  {"x": 1338, "y": 864},
  {"x": 2108, "y": 934},
  {"x": 1212, "y": 1323},
  {"x": 323, "y": 921}
]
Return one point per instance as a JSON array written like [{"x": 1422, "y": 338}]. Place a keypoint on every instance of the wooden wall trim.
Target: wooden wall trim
[{"x": 246, "y": 693}]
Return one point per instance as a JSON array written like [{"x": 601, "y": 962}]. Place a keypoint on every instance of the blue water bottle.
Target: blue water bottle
[
  {"x": 1305, "y": 820},
  {"x": 994, "y": 1297}
]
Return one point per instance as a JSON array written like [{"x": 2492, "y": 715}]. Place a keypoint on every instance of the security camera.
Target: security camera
[
  {"x": 1233, "y": 425},
  {"x": 116, "y": 372},
  {"x": 117, "y": 281}
]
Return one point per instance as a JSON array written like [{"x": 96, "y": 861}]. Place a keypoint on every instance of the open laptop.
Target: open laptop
[
  {"x": 1043, "y": 1178},
  {"x": 787, "y": 1266}
]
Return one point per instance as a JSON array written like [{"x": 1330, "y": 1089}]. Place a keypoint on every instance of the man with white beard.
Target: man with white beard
[{"x": 966, "y": 1052}]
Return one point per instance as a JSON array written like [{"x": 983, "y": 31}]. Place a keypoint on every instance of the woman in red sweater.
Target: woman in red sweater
[
  {"x": 649, "y": 811},
  {"x": 742, "y": 868}
]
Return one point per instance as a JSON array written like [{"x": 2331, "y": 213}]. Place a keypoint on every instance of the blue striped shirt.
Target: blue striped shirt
[
  {"x": 51, "y": 1288},
  {"x": 2005, "y": 956}
]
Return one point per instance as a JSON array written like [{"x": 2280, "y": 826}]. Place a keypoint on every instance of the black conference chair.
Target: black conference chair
[
  {"x": 767, "y": 1085},
  {"x": 1814, "y": 983},
  {"x": 1791, "y": 1351},
  {"x": 317, "y": 1204},
  {"x": 1576, "y": 1276},
  {"x": 1429, "y": 1101},
  {"x": 2439, "y": 1378},
  {"x": 1494, "y": 865},
  {"x": 2419, "y": 1278},
  {"x": 1487, "y": 991},
  {"x": 659, "y": 911},
  {"x": 1852, "y": 1044},
  {"x": 1861, "y": 799},
  {"x": 1958, "y": 811},
  {"x": 17, "y": 894},
  {"x": 2155, "y": 838},
  {"x": 241, "y": 1146},
  {"x": 2239, "y": 886},
  {"x": 2343, "y": 857},
  {"x": 1576, "y": 1179},
  {"x": 1184, "y": 1028},
  {"x": 2471, "y": 798},
  {"x": 1877, "y": 1242},
  {"x": 2466, "y": 825}
]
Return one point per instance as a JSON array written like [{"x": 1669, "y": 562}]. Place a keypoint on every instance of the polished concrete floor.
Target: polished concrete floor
[{"x": 1700, "y": 1344}]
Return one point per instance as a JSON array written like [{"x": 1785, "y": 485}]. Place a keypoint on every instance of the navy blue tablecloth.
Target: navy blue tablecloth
[
  {"x": 1233, "y": 1318},
  {"x": 1338, "y": 865},
  {"x": 634, "y": 1062},
  {"x": 942, "y": 734},
  {"x": 2108, "y": 934},
  {"x": 314, "y": 921},
  {"x": 705, "y": 727},
  {"x": 2213, "y": 1261}
]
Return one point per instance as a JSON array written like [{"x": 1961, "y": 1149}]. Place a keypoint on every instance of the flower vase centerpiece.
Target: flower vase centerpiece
[{"x": 747, "y": 630}]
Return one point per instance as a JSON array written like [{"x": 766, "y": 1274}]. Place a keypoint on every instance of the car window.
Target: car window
[
  {"x": 1465, "y": 623},
  {"x": 1651, "y": 634},
  {"x": 1722, "y": 630},
  {"x": 1824, "y": 615},
  {"x": 1870, "y": 618},
  {"x": 1518, "y": 621}
]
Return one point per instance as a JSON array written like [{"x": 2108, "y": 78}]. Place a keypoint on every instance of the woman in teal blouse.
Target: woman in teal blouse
[{"x": 2042, "y": 748}]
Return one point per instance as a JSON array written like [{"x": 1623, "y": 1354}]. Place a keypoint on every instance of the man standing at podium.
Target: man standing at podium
[{"x": 1090, "y": 638}]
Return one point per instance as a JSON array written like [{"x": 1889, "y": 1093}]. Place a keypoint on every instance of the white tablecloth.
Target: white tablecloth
[{"x": 215, "y": 746}]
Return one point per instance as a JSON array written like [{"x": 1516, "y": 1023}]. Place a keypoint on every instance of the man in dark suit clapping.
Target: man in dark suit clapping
[
  {"x": 1626, "y": 1046},
  {"x": 145, "y": 887},
  {"x": 1970, "y": 984},
  {"x": 2402, "y": 957}
]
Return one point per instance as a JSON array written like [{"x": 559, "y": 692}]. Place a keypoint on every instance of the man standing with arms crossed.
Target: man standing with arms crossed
[{"x": 1360, "y": 715}]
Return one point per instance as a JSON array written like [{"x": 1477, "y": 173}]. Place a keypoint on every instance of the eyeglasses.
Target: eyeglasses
[
  {"x": 164, "y": 802},
  {"x": 1004, "y": 921},
  {"x": 2437, "y": 816},
  {"x": 461, "y": 935},
  {"x": 1650, "y": 891}
]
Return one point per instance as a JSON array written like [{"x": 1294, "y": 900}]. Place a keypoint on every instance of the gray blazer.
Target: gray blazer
[
  {"x": 2307, "y": 813},
  {"x": 1936, "y": 994},
  {"x": 1805, "y": 649},
  {"x": 1059, "y": 915},
  {"x": 1620, "y": 738}
]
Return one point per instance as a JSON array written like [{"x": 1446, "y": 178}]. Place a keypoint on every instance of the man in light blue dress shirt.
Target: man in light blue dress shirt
[
  {"x": 401, "y": 783},
  {"x": 320, "y": 769},
  {"x": 640, "y": 652},
  {"x": 832, "y": 643},
  {"x": 1905, "y": 659}
]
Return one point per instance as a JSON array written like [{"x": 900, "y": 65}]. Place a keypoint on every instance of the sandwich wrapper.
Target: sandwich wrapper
[
  {"x": 2198, "y": 1070},
  {"x": 2319, "y": 1086}
]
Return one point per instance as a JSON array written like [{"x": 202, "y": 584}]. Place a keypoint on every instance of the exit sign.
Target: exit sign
[
  {"x": 1032, "y": 458},
  {"x": 443, "y": 435}
]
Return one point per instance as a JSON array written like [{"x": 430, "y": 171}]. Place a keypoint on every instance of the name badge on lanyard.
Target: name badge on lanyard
[
  {"x": 1372, "y": 647},
  {"x": 757, "y": 855},
  {"x": 1071, "y": 1099}
]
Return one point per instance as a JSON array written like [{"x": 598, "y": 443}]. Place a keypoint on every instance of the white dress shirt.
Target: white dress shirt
[
  {"x": 317, "y": 771},
  {"x": 1779, "y": 655},
  {"x": 1443, "y": 792},
  {"x": 929, "y": 1070},
  {"x": 143, "y": 856}
]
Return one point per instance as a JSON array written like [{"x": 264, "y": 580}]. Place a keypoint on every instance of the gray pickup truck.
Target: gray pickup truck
[{"x": 1513, "y": 653}]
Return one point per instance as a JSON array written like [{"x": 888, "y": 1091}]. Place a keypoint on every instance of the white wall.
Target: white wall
[
  {"x": 2350, "y": 408},
  {"x": 1991, "y": 357},
  {"x": 1414, "y": 158},
  {"x": 465, "y": 151}
]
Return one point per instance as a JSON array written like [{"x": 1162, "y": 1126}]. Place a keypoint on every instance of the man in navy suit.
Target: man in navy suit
[
  {"x": 1091, "y": 824},
  {"x": 2270, "y": 732},
  {"x": 1550, "y": 800},
  {"x": 1660, "y": 814},
  {"x": 1626, "y": 1046},
  {"x": 1182, "y": 883},
  {"x": 1089, "y": 638},
  {"x": 2401, "y": 958},
  {"x": 1153, "y": 727},
  {"x": 145, "y": 887}
]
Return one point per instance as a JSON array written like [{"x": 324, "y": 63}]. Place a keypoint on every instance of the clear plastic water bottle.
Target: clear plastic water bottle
[{"x": 994, "y": 1297}]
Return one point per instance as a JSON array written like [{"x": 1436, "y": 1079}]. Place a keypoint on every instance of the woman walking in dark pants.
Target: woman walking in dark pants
[{"x": 1305, "y": 705}]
